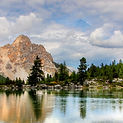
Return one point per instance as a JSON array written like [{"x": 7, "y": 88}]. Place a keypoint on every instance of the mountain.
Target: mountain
[{"x": 16, "y": 59}]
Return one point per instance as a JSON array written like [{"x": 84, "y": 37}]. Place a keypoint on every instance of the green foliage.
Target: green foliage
[
  {"x": 63, "y": 73},
  {"x": 19, "y": 83},
  {"x": 106, "y": 72},
  {"x": 92, "y": 71},
  {"x": 37, "y": 73},
  {"x": 5, "y": 81},
  {"x": 48, "y": 79},
  {"x": 101, "y": 73},
  {"x": 73, "y": 77},
  {"x": 60, "y": 77},
  {"x": 2, "y": 80},
  {"x": 82, "y": 73},
  {"x": 56, "y": 77},
  {"x": 63, "y": 77},
  {"x": 9, "y": 82}
]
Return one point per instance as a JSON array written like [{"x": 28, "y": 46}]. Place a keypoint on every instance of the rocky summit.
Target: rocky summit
[{"x": 16, "y": 59}]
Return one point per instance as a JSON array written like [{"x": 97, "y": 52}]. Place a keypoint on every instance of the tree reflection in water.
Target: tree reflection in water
[
  {"x": 82, "y": 104},
  {"x": 36, "y": 103},
  {"x": 83, "y": 109},
  {"x": 14, "y": 92},
  {"x": 62, "y": 100},
  {"x": 63, "y": 103},
  {"x": 61, "y": 106}
]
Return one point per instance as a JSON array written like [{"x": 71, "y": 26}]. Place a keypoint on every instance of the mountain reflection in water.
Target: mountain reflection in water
[
  {"x": 61, "y": 106},
  {"x": 25, "y": 108}
]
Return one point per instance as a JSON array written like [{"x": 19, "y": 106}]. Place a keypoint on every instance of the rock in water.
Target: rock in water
[{"x": 17, "y": 59}]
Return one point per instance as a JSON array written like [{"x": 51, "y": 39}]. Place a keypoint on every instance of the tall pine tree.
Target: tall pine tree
[
  {"x": 37, "y": 73},
  {"x": 63, "y": 72},
  {"x": 82, "y": 73}
]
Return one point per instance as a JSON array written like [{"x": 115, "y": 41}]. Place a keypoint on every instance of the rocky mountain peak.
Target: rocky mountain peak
[
  {"x": 16, "y": 59},
  {"x": 21, "y": 39}
]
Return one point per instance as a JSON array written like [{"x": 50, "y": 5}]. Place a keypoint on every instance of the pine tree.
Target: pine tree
[
  {"x": 56, "y": 77},
  {"x": 63, "y": 72},
  {"x": 82, "y": 73},
  {"x": 93, "y": 71},
  {"x": 120, "y": 68},
  {"x": 19, "y": 82},
  {"x": 49, "y": 78},
  {"x": 37, "y": 73},
  {"x": 73, "y": 77}
]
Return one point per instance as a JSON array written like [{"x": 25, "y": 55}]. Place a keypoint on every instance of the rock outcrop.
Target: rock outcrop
[{"x": 17, "y": 58}]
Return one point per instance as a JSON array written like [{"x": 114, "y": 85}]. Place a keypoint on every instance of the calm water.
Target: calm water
[{"x": 61, "y": 106}]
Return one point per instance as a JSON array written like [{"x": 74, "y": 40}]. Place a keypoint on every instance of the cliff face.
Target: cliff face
[{"x": 17, "y": 59}]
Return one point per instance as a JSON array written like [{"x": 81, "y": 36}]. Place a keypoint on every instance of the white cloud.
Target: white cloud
[
  {"x": 52, "y": 46},
  {"x": 70, "y": 45},
  {"x": 106, "y": 11},
  {"x": 4, "y": 27},
  {"x": 59, "y": 32},
  {"x": 21, "y": 25},
  {"x": 107, "y": 37},
  {"x": 60, "y": 40},
  {"x": 26, "y": 22},
  {"x": 96, "y": 12},
  {"x": 38, "y": 2},
  {"x": 39, "y": 20}
]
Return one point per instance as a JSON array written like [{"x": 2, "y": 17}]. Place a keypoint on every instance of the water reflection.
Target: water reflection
[
  {"x": 61, "y": 106},
  {"x": 82, "y": 102},
  {"x": 83, "y": 109},
  {"x": 27, "y": 107},
  {"x": 62, "y": 100},
  {"x": 12, "y": 107},
  {"x": 36, "y": 103}
]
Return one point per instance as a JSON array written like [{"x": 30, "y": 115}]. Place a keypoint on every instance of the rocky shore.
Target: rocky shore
[
  {"x": 57, "y": 87},
  {"x": 41, "y": 86}
]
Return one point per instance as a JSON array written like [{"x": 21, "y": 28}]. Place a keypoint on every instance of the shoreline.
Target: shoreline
[{"x": 59, "y": 87}]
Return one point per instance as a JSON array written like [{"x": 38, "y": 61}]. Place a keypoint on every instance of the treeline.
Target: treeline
[
  {"x": 102, "y": 72},
  {"x": 106, "y": 72},
  {"x": 64, "y": 76},
  {"x": 6, "y": 81}
]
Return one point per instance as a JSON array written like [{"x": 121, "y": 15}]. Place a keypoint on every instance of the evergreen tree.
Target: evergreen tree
[
  {"x": 93, "y": 71},
  {"x": 120, "y": 68},
  {"x": 106, "y": 72},
  {"x": 63, "y": 72},
  {"x": 2, "y": 80},
  {"x": 19, "y": 83},
  {"x": 8, "y": 81},
  {"x": 49, "y": 78},
  {"x": 121, "y": 72},
  {"x": 56, "y": 77},
  {"x": 114, "y": 70},
  {"x": 73, "y": 77},
  {"x": 82, "y": 73},
  {"x": 37, "y": 73}
]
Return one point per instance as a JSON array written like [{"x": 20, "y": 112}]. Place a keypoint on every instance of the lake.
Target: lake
[{"x": 58, "y": 106}]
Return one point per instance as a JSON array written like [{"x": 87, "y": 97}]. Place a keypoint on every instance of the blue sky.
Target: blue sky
[{"x": 69, "y": 29}]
